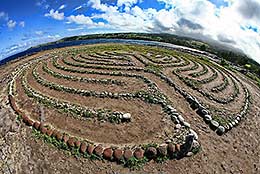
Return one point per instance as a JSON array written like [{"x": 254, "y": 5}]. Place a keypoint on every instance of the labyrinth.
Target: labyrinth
[{"x": 125, "y": 102}]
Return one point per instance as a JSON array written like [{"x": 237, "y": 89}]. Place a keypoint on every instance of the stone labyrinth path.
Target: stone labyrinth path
[{"x": 122, "y": 102}]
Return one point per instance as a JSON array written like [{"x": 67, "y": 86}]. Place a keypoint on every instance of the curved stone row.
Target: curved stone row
[
  {"x": 101, "y": 67},
  {"x": 156, "y": 61},
  {"x": 221, "y": 86},
  {"x": 104, "y": 63},
  {"x": 140, "y": 152},
  {"x": 190, "y": 68},
  {"x": 81, "y": 79},
  {"x": 200, "y": 73},
  {"x": 113, "y": 153}
]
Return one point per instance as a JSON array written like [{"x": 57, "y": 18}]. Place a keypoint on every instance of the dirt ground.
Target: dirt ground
[{"x": 238, "y": 151}]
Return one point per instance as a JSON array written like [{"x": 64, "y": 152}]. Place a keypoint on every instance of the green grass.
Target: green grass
[{"x": 135, "y": 164}]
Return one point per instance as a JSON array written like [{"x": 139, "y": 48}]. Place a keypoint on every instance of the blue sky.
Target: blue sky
[{"x": 28, "y": 23}]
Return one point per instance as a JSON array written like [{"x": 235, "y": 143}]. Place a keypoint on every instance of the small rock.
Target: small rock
[
  {"x": 108, "y": 153},
  {"x": 126, "y": 117},
  {"x": 90, "y": 149},
  {"x": 171, "y": 149},
  {"x": 195, "y": 134},
  {"x": 118, "y": 154},
  {"x": 65, "y": 138},
  {"x": 180, "y": 118},
  {"x": 186, "y": 124},
  {"x": 139, "y": 153},
  {"x": 43, "y": 130},
  {"x": 214, "y": 125},
  {"x": 71, "y": 142},
  {"x": 177, "y": 126},
  {"x": 49, "y": 132},
  {"x": 150, "y": 152},
  {"x": 77, "y": 143},
  {"x": 162, "y": 150},
  {"x": 59, "y": 136},
  {"x": 207, "y": 118},
  {"x": 128, "y": 154},
  {"x": 189, "y": 154},
  {"x": 98, "y": 150},
  {"x": 220, "y": 130},
  {"x": 83, "y": 147},
  {"x": 36, "y": 125}
]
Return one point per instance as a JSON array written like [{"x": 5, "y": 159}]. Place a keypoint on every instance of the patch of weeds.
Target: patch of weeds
[
  {"x": 145, "y": 146},
  {"x": 220, "y": 119},
  {"x": 196, "y": 150},
  {"x": 18, "y": 118},
  {"x": 161, "y": 159},
  {"x": 155, "y": 68},
  {"x": 135, "y": 164}
]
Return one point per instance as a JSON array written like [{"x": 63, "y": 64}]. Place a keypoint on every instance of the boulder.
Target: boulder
[
  {"x": 162, "y": 150},
  {"x": 126, "y": 117},
  {"x": 83, "y": 147},
  {"x": 150, "y": 152},
  {"x": 139, "y": 153},
  {"x": 214, "y": 125},
  {"x": 220, "y": 130},
  {"x": 98, "y": 150},
  {"x": 90, "y": 149},
  {"x": 118, "y": 154},
  {"x": 171, "y": 149},
  {"x": 128, "y": 154},
  {"x": 108, "y": 153}
]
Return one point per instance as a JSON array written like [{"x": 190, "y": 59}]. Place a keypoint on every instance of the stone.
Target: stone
[
  {"x": 98, "y": 150},
  {"x": 187, "y": 146},
  {"x": 177, "y": 126},
  {"x": 214, "y": 125},
  {"x": 118, "y": 154},
  {"x": 139, "y": 153},
  {"x": 126, "y": 117},
  {"x": 150, "y": 152},
  {"x": 189, "y": 154},
  {"x": 162, "y": 150},
  {"x": 90, "y": 149},
  {"x": 49, "y": 132},
  {"x": 83, "y": 147},
  {"x": 207, "y": 119},
  {"x": 71, "y": 142},
  {"x": 177, "y": 147},
  {"x": 36, "y": 125},
  {"x": 108, "y": 153},
  {"x": 59, "y": 136},
  {"x": 220, "y": 130},
  {"x": 180, "y": 118},
  {"x": 171, "y": 149},
  {"x": 65, "y": 138},
  {"x": 127, "y": 154},
  {"x": 43, "y": 130},
  {"x": 77, "y": 143},
  {"x": 186, "y": 124},
  {"x": 195, "y": 134},
  {"x": 30, "y": 122}
]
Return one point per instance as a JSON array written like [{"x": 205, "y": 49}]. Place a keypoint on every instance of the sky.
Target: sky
[{"x": 26, "y": 23}]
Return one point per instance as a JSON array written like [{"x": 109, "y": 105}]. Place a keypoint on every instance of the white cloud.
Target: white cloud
[
  {"x": 22, "y": 24},
  {"x": 39, "y": 33},
  {"x": 11, "y": 24},
  {"x": 55, "y": 15},
  {"x": 80, "y": 19},
  {"x": 77, "y": 8},
  {"x": 62, "y": 7},
  {"x": 75, "y": 29},
  {"x": 4, "y": 16}
]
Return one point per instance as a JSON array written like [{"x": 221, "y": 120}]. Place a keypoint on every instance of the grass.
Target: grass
[{"x": 135, "y": 164}]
